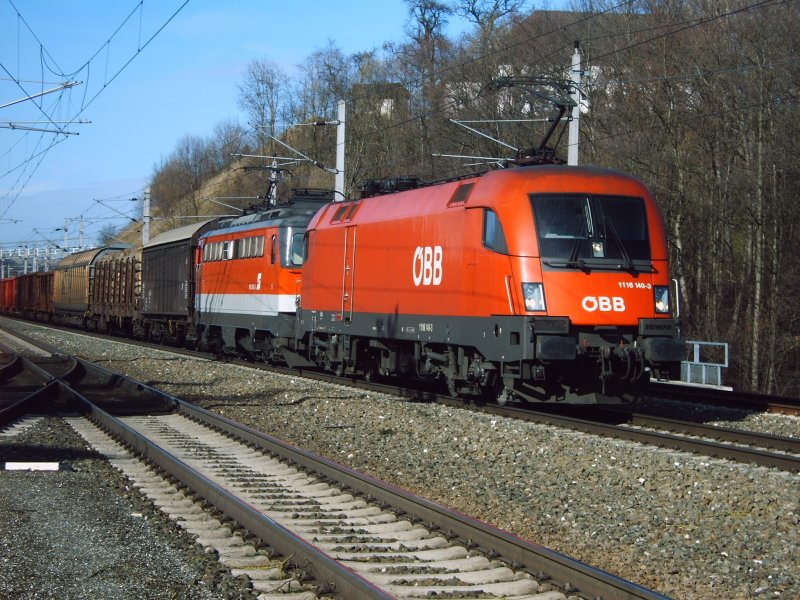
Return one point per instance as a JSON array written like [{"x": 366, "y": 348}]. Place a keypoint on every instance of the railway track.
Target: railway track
[
  {"x": 656, "y": 390},
  {"x": 743, "y": 446},
  {"x": 621, "y": 423},
  {"x": 356, "y": 536},
  {"x": 718, "y": 442},
  {"x": 728, "y": 399}
]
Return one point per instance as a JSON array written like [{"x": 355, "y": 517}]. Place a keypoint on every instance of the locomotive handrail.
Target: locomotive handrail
[
  {"x": 510, "y": 297},
  {"x": 677, "y": 299}
]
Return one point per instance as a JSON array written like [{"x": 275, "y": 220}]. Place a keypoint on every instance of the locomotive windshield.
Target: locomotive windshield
[
  {"x": 582, "y": 231},
  {"x": 297, "y": 249}
]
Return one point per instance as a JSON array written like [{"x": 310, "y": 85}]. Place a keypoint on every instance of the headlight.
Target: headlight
[
  {"x": 534, "y": 296},
  {"x": 662, "y": 299}
]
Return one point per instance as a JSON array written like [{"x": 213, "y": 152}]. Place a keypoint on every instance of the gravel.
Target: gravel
[
  {"x": 686, "y": 526},
  {"x": 84, "y": 532}
]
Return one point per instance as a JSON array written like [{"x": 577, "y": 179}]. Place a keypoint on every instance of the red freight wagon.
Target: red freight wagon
[
  {"x": 545, "y": 282},
  {"x": 35, "y": 295},
  {"x": 8, "y": 295}
]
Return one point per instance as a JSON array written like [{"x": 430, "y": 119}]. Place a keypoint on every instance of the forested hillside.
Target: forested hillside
[{"x": 698, "y": 99}]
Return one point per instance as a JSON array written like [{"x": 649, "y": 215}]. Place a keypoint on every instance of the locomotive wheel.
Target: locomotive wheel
[
  {"x": 216, "y": 346},
  {"x": 371, "y": 373},
  {"x": 504, "y": 396},
  {"x": 452, "y": 388}
]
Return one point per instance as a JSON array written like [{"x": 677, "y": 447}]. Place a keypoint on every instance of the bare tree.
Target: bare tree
[
  {"x": 107, "y": 235},
  {"x": 418, "y": 63},
  {"x": 326, "y": 77},
  {"x": 488, "y": 16},
  {"x": 229, "y": 138},
  {"x": 262, "y": 94}
]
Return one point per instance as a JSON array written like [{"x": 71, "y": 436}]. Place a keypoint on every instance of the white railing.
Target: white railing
[{"x": 697, "y": 370}]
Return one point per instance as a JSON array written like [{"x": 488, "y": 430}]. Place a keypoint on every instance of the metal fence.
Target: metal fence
[{"x": 706, "y": 363}]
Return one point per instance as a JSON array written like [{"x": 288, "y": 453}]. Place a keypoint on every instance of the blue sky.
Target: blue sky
[{"x": 183, "y": 82}]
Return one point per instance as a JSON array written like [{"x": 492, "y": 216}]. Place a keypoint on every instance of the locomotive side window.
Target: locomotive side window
[
  {"x": 493, "y": 236},
  {"x": 245, "y": 247}
]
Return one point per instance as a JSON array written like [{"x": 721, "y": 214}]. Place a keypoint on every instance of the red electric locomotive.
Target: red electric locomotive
[
  {"x": 248, "y": 278},
  {"x": 536, "y": 283}
]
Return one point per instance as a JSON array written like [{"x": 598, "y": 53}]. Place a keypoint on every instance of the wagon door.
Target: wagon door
[{"x": 348, "y": 273}]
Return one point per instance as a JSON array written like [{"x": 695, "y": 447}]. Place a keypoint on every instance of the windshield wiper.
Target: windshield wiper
[
  {"x": 628, "y": 264},
  {"x": 596, "y": 265},
  {"x": 570, "y": 264},
  {"x": 573, "y": 261}
]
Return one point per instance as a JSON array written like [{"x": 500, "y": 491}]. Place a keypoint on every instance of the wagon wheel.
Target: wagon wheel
[{"x": 371, "y": 372}]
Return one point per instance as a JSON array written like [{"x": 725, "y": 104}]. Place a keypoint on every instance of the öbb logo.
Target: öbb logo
[
  {"x": 427, "y": 265},
  {"x": 603, "y": 304}
]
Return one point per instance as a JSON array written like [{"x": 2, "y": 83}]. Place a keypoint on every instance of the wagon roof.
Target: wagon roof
[
  {"x": 87, "y": 257},
  {"x": 177, "y": 235},
  {"x": 287, "y": 215}
]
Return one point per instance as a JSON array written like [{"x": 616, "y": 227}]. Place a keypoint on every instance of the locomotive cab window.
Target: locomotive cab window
[
  {"x": 602, "y": 229},
  {"x": 493, "y": 236},
  {"x": 297, "y": 249}
]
